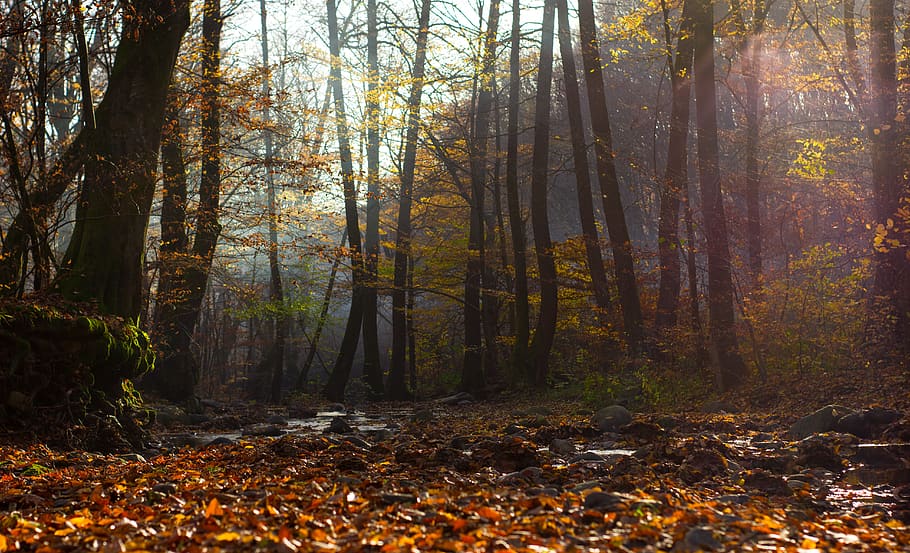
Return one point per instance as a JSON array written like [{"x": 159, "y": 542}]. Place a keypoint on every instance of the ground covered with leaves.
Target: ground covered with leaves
[{"x": 479, "y": 476}]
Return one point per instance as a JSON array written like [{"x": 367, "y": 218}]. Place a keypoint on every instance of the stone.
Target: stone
[
  {"x": 276, "y": 419},
  {"x": 461, "y": 398},
  {"x": 868, "y": 423},
  {"x": 339, "y": 426},
  {"x": 765, "y": 483},
  {"x": 823, "y": 420},
  {"x": 606, "y": 501},
  {"x": 166, "y": 488},
  {"x": 263, "y": 429},
  {"x": 397, "y": 498},
  {"x": 302, "y": 412},
  {"x": 610, "y": 419},
  {"x": 562, "y": 447},
  {"x": 336, "y": 408},
  {"x": 700, "y": 538},
  {"x": 422, "y": 415},
  {"x": 221, "y": 440}
]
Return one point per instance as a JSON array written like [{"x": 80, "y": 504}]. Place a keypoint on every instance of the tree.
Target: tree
[
  {"x": 397, "y": 389},
  {"x": 184, "y": 271},
  {"x": 606, "y": 174},
  {"x": 543, "y": 246},
  {"x": 730, "y": 367},
  {"x": 338, "y": 379},
  {"x": 104, "y": 259},
  {"x": 676, "y": 176},
  {"x": 516, "y": 220},
  {"x": 472, "y": 377},
  {"x": 372, "y": 368},
  {"x": 580, "y": 156}
]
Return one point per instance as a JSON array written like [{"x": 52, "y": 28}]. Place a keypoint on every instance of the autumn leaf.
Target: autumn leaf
[{"x": 214, "y": 509}]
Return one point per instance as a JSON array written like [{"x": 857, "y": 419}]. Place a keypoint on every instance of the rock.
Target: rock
[
  {"x": 702, "y": 464},
  {"x": 297, "y": 412},
  {"x": 170, "y": 415},
  {"x": 610, "y": 419},
  {"x": 133, "y": 457},
  {"x": 647, "y": 431},
  {"x": 734, "y": 499},
  {"x": 422, "y": 415},
  {"x": 276, "y": 419},
  {"x": 18, "y": 401},
  {"x": 700, "y": 538},
  {"x": 719, "y": 407},
  {"x": 339, "y": 426},
  {"x": 263, "y": 429},
  {"x": 562, "y": 447},
  {"x": 881, "y": 456},
  {"x": 819, "y": 453},
  {"x": 766, "y": 483},
  {"x": 166, "y": 488},
  {"x": 461, "y": 398},
  {"x": 536, "y": 422},
  {"x": 336, "y": 408},
  {"x": 823, "y": 420},
  {"x": 606, "y": 501},
  {"x": 515, "y": 430},
  {"x": 588, "y": 457},
  {"x": 460, "y": 443},
  {"x": 358, "y": 442},
  {"x": 868, "y": 423},
  {"x": 221, "y": 440},
  {"x": 382, "y": 435},
  {"x": 198, "y": 419},
  {"x": 396, "y": 498}
]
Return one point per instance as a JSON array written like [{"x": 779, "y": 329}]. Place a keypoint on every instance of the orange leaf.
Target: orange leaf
[
  {"x": 489, "y": 513},
  {"x": 214, "y": 509}
]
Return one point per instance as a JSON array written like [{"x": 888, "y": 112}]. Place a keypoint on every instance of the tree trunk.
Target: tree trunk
[
  {"x": 609, "y": 184},
  {"x": 516, "y": 221},
  {"x": 396, "y": 386},
  {"x": 104, "y": 260},
  {"x": 753, "y": 174},
  {"x": 546, "y": 323},
  {"x": 580, "y": 156},
  {"x": 276, "y": 293},
  {"x": 472, "y": 376},
  {"x": 372, "y": 367},
  {"x": 889, "y": 181},
  {"x": 676, "y": 177},
  {"x": 183, "y": 273},
  {"x": 730, "y": 366},
  {"x": 341, "y": 372}
]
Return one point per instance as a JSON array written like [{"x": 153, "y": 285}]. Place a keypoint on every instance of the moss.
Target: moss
[{"x": 48, "y": 352}]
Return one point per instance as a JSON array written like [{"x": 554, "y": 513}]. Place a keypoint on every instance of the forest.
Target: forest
[{"x": 403, "y": 275}]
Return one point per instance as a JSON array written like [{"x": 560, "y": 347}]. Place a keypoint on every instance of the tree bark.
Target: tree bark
[
  {"x": 513, "y": 199},
  {"x": 472, "y": 376},
  {"x": 184, "y": 273},
  {"x": 676, "y": 177},
  {"x": 599, "y": 282},
  {"x": 104, "y": 260},
  {"x": 730, "y": 366},
  {"x": 546, "y": 323},
  {"x": 372, "y": 367},
  {"x": 396, "y": 386},
  {"x": 341, "y": 372},
  {"x": 609, "y": 184}
]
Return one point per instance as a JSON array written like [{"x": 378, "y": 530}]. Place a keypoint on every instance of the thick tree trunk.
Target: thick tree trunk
[
  {"x": 396, "y": 386},
  {"x": 730, "y": 366},
  {"x": 599, "y": 282},
  {"x": 104, "y": 260},
  {"x": 472, "y": 376},
  {"x": 546, "y": 323},
  {"x": 889, "y": 181},
  {"x": 372, "y": 367},
  {"x": 516, "y": 220},
  {"x": 676, "y": 177},
  {"x": 609, "y": 184},
  {"x": 341, "y": 372}
]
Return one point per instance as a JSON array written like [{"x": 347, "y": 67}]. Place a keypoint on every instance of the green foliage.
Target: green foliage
[{"x": 811, "y": 317}]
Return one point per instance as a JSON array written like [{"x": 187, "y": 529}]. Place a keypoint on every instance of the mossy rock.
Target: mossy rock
[{"x": 59, "y": 354}]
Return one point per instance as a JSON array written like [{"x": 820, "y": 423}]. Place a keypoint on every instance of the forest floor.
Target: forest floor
[{"x": 510, "y": 474}]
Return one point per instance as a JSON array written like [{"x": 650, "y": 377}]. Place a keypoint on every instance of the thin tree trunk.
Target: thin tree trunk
[
  {"x": 730, "y": 366},
  {"x": 341, "y": 372},
  {"x": 472, "y": 375},
  {"x": 516, "y": 221},
  {"x": 396, "y": 387},
  {"x": 276, "y": 294},
  {"x": 753, "y": 121},
  {"x": 184, "y": 272},
  {"x": 676, "y": 177},
  {"x": 546, "y": 323},
  {"x": 582, "y": 174},
  {"x": 609, "y": 184},
  {"x": 372, "y": 368}
]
